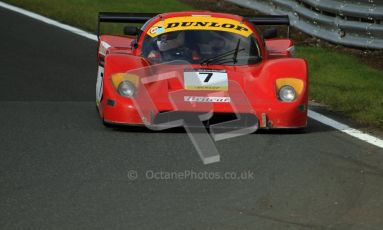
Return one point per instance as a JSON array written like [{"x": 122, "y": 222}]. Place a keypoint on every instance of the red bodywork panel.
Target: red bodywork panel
[
  {"x": 259, "y": 81},
  {"x": 280, "y": 47}
]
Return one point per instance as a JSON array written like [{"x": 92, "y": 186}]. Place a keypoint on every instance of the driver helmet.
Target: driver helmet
[{"x": 170, "y": 40}]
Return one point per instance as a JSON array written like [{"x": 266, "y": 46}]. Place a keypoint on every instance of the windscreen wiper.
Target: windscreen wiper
[
  {"x": 255, "y": 59},
  {"x": 235, "y": 56},
  {"x": 219, "y": 57}
]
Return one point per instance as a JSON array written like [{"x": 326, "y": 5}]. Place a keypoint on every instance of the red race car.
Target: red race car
[{"x": 200, "y": 62}]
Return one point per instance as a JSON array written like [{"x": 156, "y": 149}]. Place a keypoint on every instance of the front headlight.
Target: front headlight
[
  {"x": 127, "y": 89},
  {"x": 287, "y": 93}
]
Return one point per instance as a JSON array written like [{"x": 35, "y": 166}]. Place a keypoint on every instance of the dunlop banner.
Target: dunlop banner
[{"x": 199, "y": 23}]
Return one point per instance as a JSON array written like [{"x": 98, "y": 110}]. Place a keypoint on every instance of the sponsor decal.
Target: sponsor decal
[
  {"x": 207, "y": 99},
  {"x": 99, "y": 84},
  {"x": 199, "y": 23},
  {"x": 158, "y": 29}
]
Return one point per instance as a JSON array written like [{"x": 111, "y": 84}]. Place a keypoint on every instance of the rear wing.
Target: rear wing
[
  {"x": 270, "y": 20},
  {"x": 118, "y": 17},
  {"x": 274, "y": 20}
]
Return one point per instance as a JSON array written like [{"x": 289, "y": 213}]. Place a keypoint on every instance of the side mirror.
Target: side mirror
[
  {"x": 270, "y": 33},
  {"x": 131, "y": 30}
]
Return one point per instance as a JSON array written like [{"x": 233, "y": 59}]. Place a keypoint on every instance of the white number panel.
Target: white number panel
[{"x": 205, "y": 80}]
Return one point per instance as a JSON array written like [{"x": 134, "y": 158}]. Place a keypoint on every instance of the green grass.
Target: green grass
[
  {"x": 336, "y": 79},
  {"x": 347, "y": 86}
]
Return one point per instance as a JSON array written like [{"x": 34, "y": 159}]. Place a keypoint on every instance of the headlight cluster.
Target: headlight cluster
[
  {"x": 127, "y": 89},
  {"x": 287, "y": 93}
]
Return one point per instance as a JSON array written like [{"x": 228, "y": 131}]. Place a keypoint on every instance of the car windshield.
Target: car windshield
[{"x": 201, "y": 47}]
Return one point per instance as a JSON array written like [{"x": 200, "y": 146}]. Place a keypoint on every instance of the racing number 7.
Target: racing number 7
[{"x": 208, "y": 76}]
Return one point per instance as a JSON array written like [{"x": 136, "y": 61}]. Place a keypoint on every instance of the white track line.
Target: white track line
[
  {"x": 49, "y": 21},
  {"x": 346, "y": 129},
  {"x": 313, "y": 115}
]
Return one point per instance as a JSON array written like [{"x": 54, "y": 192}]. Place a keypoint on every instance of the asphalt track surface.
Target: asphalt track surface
[{"x": 60, "y": 168}]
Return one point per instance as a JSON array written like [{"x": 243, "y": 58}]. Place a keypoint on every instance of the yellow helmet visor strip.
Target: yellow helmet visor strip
[{"x": 199, "y": 23}]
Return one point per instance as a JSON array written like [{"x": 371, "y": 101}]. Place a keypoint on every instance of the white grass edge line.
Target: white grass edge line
[
  {"x": 49, "y": 21},
  {"x": 346, "y": 129}
]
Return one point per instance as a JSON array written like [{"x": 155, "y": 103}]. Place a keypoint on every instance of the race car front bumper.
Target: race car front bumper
[{"x": 279, "y": 115}]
